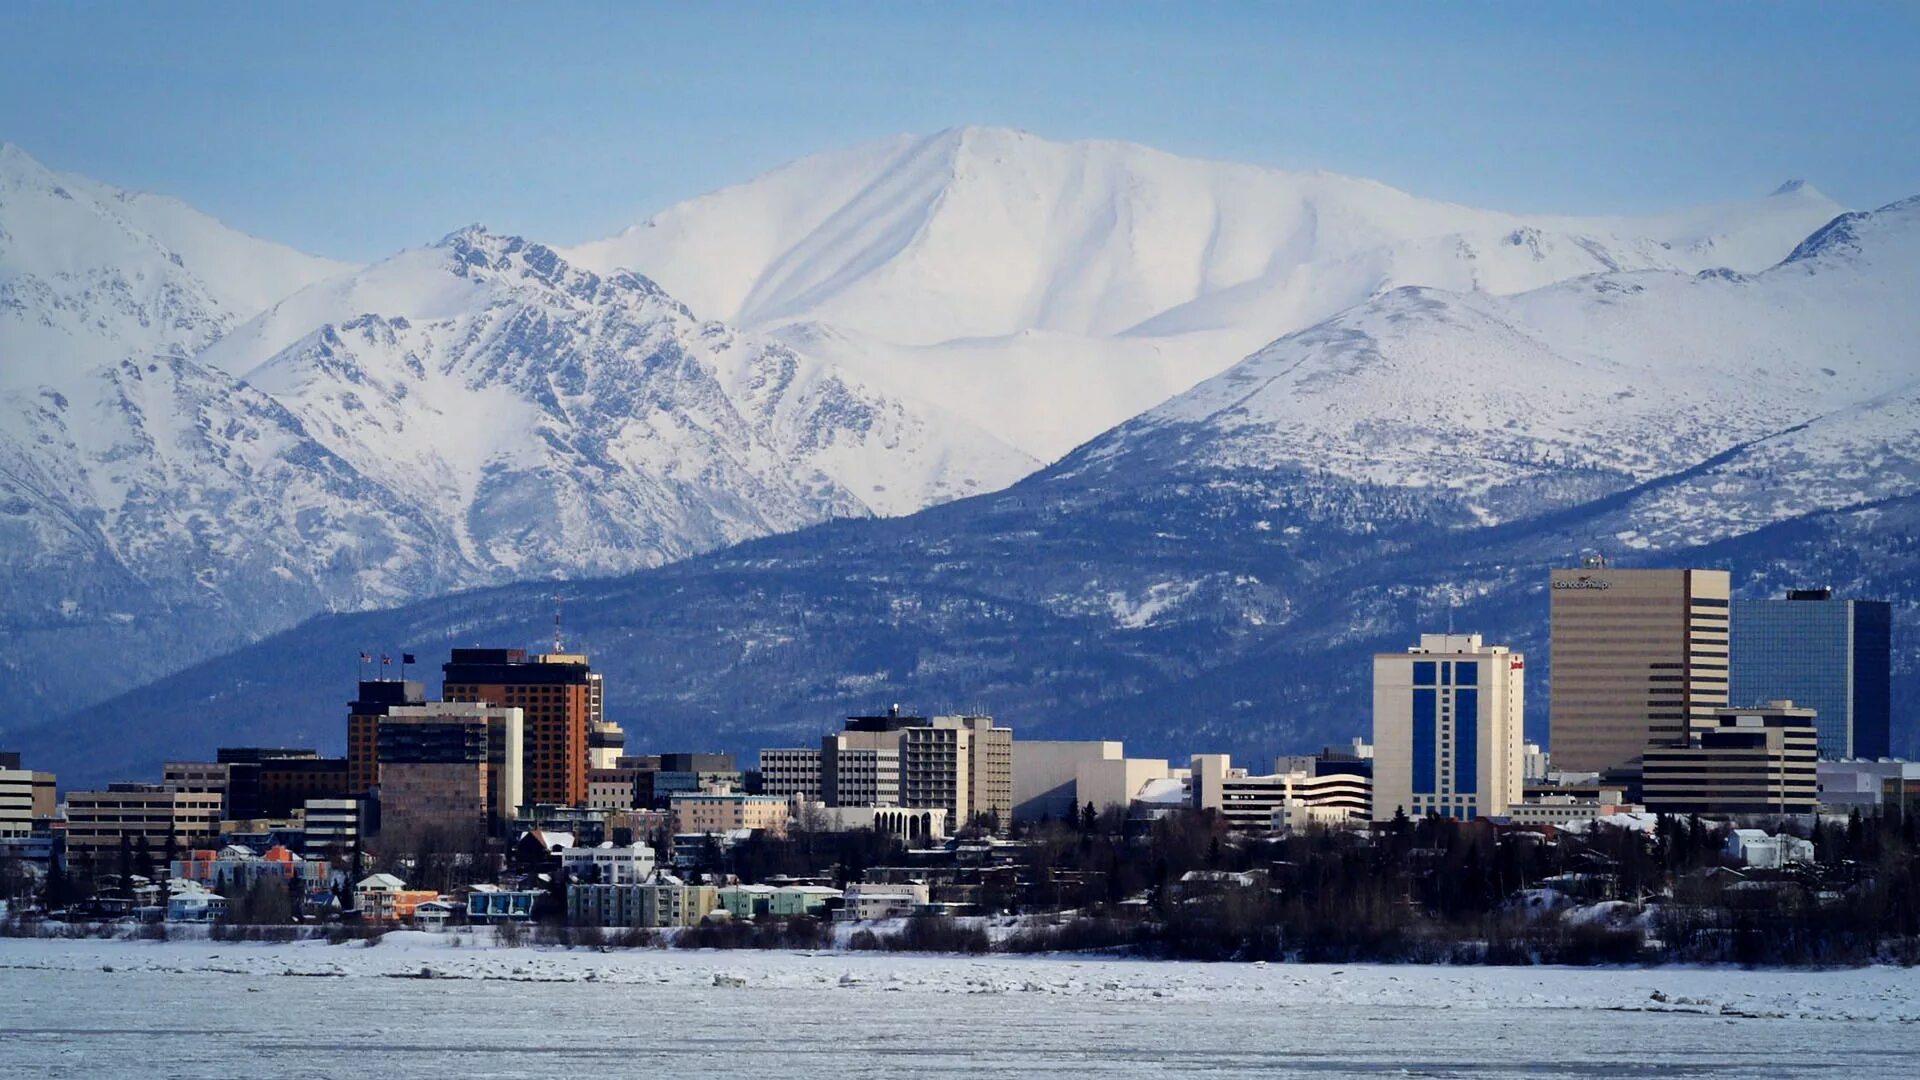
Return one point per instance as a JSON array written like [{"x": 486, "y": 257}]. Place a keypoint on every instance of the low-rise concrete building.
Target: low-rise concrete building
[
  {"x": 1864, "y": 785},
  {"x": 143, "y": 813},
  {"x": 1757, "y": 849},
  {"x": 617, "y": 789},
  {"x": 1250, "y": 802},
  {"x": 723, "y": 810},
  {"x": 777, "y": 901},
  {"x": 608, "y": 865},
  {"x": 912, "y": 827},
  {"x": 662, "y": 901},
  {"x": 1563, "y": 810},
  {"x": 1056, "y": 780}
]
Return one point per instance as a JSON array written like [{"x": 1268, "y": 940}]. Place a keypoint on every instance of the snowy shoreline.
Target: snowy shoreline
[{"x": 1881, "y": 994}]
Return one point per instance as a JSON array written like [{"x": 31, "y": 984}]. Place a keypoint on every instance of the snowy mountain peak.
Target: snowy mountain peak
[
  {"x": 90, "y": 274},
  {"x": 1891, "y": 232},
  {"x": 17, "y": 165},
  {"x": 1050, "y": 290}
]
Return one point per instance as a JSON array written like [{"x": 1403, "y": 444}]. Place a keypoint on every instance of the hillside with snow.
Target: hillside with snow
[
  {"x": 1617, "y": 379},
  {"x": 206, "y": 438},
  {"x": 179, "y": 482},
  {"x": 1215, "y": 573},
  {"x": 91, "y": 275},
  {"x": 561, "y": 421},
  {"x": 1048, "y": 291}
]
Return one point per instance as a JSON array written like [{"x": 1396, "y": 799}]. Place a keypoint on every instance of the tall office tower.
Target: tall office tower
[
  {"x": 861, "y": 765},
  {"x": 1831, "y": 656},
  {"x": 960, "y": 764},
  {"x": 1448, "y": 717},
  {"x": 792, "y": 771},
  {"x": 363, "y": 729},
  {"x": 1639, "y": 658},
  {"x": 563, "y": 699},
  {"x": 451, "y": 768}
]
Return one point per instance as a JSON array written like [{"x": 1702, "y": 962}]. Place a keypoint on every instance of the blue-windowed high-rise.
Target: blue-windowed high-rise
[
  {"x": 1832, "y": 656},
  {"x": 1447, "y": 721}
]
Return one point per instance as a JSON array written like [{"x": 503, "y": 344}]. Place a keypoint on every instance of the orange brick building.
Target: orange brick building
[{"x": 562, "y": 700}]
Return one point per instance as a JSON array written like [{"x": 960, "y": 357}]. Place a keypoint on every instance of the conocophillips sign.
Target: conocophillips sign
[{"x": 1584, "y": 582}]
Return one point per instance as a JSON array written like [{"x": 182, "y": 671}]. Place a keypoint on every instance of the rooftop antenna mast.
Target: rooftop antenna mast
[{"x": 557, "y": 646}]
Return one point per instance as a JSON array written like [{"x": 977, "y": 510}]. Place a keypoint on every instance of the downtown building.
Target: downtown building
[
  {"x": 1831, "y": 656},
  {"x": 960, "y": 764},
  {"x": 149, "y": 814},
  {"x": 278, "y": 783},
  {"x": 1448, "y": 717},
  {"x": 27, "y": 801},
  {"x": 375, "y": 698},
  {"x": 1286, "y": 798},
  {"x": 564, "y": 703},
  {"x": 449, "y": 770},
  {"x": 1639, "y": 658},
  {"x": 1760, "y": 760}
]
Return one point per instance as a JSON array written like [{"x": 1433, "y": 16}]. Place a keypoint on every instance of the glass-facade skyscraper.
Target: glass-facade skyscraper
[{"x": 1832, "y": 656}]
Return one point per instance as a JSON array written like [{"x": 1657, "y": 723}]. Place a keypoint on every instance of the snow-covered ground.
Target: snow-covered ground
[{"x": 417, "y": 1004}]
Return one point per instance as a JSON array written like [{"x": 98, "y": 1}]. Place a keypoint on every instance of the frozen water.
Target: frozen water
[{"x": 414, "y": 1006}]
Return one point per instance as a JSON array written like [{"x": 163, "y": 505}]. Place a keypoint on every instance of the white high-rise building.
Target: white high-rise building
[{"x": 1448, "y": 718}]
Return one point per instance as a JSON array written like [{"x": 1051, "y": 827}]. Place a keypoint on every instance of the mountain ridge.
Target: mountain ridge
[
  {"x": 1182, "y": 584},
  {"x": 978, "y": 265}
]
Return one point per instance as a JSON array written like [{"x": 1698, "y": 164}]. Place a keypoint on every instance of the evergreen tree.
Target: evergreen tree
[{"x": 126, "y": 865}]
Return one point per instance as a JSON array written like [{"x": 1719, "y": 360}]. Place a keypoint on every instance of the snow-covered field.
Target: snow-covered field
[{"x": 416, "y": 1005}]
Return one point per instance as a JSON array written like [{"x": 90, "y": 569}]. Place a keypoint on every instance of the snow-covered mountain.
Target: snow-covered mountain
[
  {"x": 153, "y": 510},
  {"x": 91, "y": 274},
  {"x": 559, "y": 421},
  {"x": 1216, "y": 573},
  {"x": 1048, "y": 291},
  {"x": 205, "y": 437},
  {"x": 470, "y": 413},
  {"x": 1517, "y": 404}
]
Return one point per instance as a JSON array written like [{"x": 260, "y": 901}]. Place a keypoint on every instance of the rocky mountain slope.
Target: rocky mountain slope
[
  {"x": 181, "y": 473},
  {"x": 1214, "y": 573}
]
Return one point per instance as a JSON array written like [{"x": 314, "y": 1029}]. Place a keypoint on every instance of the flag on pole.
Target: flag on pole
[
  {"x": 365, "y": 658},
  {"x": 407, "y": 658}
]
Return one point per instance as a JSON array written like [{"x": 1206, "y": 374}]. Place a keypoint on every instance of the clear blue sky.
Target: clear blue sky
[{"x": 354, "y": 131}]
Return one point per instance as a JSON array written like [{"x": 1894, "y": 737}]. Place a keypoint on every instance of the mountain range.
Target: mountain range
[
  {"x": 1048, "y": 291},
  {"x": 1302, "y": 417}
]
